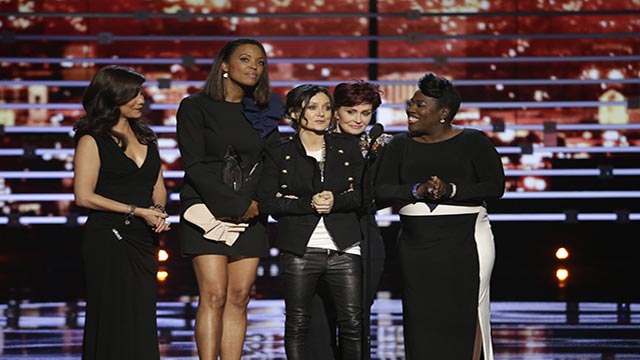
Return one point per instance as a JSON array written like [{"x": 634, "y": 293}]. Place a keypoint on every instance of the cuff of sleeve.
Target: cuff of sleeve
[
  {"x": 305, "y": 202},
  {"x": 414, "y": 192},
  {"x": 452, "y": 189},
  {"x": 338, "y": 202},
  {"x": 232, "y": 209}
]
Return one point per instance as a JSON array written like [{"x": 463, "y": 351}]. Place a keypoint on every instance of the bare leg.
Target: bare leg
[
  {"x": 211, "y": 274},
  {"x": 242, "y": 274},
  {"x": 477, "y": 345}
]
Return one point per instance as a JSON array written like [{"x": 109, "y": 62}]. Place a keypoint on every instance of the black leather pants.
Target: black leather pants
[{"x": 341, "y": 273}]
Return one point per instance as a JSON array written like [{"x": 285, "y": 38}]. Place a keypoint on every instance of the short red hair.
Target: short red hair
[{"x": 357, "y": 93}]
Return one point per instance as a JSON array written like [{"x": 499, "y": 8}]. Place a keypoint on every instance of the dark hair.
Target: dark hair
[
  {"x": 214, "y": 86},
  {"x": 112, "y": 87},
  {"x": 441, "y": 89},
  {"x": 298, "y": 100},
  {"x": 357, "y": 93}
]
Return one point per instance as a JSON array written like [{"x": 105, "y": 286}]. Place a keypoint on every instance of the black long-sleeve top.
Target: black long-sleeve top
[
  {"x": 293, "y": 172},
  {"x": 205, "y": 130},
  {"x": 469, "y": 160}
]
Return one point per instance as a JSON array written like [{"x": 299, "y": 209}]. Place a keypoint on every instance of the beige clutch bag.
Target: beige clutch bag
[{"x": 214, "y": 229}]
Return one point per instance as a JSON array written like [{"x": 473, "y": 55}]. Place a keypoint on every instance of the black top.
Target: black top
[
  {"x": 293, "y": 172},
  {"x": 469, "y": 160},
  {"x": 121, "y": 179},
  {"x": 205, "y": 130}
]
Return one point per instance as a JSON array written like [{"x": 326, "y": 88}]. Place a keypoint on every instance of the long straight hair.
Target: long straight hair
[
  {"x": 112, "y": 87},
  {"x": 214, "y": 86}
]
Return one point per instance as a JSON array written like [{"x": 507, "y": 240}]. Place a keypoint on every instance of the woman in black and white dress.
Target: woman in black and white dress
[{"x": 440, "y": 175}]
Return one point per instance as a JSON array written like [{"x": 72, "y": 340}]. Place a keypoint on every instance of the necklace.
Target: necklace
[{"x": 323, "y": 158}]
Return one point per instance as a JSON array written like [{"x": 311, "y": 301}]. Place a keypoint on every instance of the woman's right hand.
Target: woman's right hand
[
  {"x": 433, "y": 189},
  {"x": 251, "y": 212}
]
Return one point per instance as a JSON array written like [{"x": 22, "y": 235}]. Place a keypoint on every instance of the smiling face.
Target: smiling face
[
  {"x": 424, "y": 114},
  {"x": 353, "y": 119},
  {"x": 245, "y": 65},
  {"x": 133, "y": 108},
  {"x": 317, "y": 115}
]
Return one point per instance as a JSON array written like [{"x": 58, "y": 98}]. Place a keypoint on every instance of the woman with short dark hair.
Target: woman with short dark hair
[
  {"x": 313, "y": 189},
  {"x": 440, "y": 175}
]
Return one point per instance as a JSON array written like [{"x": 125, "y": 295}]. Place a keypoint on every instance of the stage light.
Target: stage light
[
  {"x": 562, "y": 274},
  {"x": 274, "y": 251},
  {"x": 162, "y": 275},
  {"x": 274, "y": 270},
  {"x": 163, "y": 255},
  {"x": 562, "y": 253}
]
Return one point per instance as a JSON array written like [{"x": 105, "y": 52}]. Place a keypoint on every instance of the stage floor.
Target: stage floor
[{"x": 521, "y": 330}]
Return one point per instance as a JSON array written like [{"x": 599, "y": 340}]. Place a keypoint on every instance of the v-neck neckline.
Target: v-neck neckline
[{"x": 144, "y": 161}]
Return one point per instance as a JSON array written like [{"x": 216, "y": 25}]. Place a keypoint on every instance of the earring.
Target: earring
[
  {"x": 225, "y": 75},
  {"x": 442, "y": 121}
]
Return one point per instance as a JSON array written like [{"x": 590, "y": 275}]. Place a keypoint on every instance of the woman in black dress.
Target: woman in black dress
[
  {"x": 313, "y": 189},
  {"x": 441, "y": 174},
  {"x": 233, "y": 119},
  {"x": 118, "y": 176}
]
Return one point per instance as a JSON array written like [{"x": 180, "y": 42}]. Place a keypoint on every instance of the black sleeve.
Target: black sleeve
[
  {"x": 388, "y": 189},
  {"x": 489, "y": 172},
  {"x": 252, "y": 187},
  {"x": 368, "y": 181},
  {"x": 202, "y": 173},
  {"x": 349, "y": 201},
  {"x": 270, "y": 186}
]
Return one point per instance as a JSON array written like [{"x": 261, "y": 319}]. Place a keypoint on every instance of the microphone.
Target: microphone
[
  {"x": 367, "y": 179},
  {"x": 375, "y": 132}
]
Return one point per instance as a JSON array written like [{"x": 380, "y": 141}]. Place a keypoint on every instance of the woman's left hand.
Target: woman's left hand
[
  {"x": 322, "y": 202},
  {"x": 292, "y": 197},
  {"x": 436, "y": 188},
  {"x": 160, "y": 224},
  {"x": 154, "y": 217}
]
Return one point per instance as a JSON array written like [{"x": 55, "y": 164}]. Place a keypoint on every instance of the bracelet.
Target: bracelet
[
  {"x": 414, "y": 192},
  {"x": 160, "y": 207},
  {"x": 454, "y": 189},
  {"x": 131, "y": 209}
]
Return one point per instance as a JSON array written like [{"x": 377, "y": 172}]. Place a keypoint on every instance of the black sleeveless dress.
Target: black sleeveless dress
[{"x": 120, "y": 262}]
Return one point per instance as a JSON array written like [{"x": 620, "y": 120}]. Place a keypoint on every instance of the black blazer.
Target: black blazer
[{"x": 291, "y": 172}]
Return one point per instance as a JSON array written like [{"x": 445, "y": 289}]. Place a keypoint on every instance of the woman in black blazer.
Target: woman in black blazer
[
  {"x": 355, "y": 104},
  {"x": 312, "y": 187}
]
